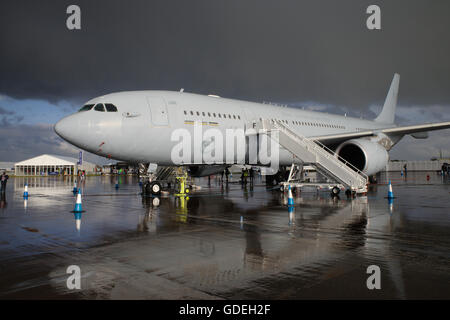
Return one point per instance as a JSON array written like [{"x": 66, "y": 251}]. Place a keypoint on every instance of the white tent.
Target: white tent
[{"x": 48, "y": 164}]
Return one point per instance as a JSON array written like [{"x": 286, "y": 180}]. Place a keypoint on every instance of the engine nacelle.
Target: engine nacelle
[{"x": 366, "y": 155}]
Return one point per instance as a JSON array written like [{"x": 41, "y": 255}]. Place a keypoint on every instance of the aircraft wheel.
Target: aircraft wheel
[
  {"x": 335, "y": 191},
  {"x": 155, "y": 188}
]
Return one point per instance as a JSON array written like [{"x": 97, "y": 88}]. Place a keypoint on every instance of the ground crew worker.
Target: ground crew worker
[{"x": 4, "y": 179}]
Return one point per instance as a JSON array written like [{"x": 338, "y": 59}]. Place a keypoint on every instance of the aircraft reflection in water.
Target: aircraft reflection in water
[{"x": 316, "y": 232}]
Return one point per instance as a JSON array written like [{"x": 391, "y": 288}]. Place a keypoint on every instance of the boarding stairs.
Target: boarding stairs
[
  {"x": 314, "y": 153},
  {"x": 164, "y": 173}
]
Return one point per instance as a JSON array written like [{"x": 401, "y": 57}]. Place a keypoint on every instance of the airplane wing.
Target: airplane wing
[
  {"x": 417, "y": 128},
  {"x": 337, "y": 138}
]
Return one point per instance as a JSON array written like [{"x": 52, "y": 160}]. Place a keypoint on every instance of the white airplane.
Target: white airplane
[{"x": 136, "y": 127}]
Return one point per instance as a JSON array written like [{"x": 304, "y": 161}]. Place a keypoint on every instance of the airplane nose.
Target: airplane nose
[{"x": 65, "y": 128}]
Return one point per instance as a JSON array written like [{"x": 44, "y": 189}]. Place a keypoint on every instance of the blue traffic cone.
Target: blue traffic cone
[
  {"x": 78, "y": 207},
  {"x": 25, "y": 192},
  {"x": 390, "y": 193},
  {"x": 290, "y": 197}
]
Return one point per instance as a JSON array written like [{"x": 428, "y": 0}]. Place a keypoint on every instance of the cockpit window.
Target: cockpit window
[
  {"x": 110, "y": 107},
  {"x": 99, "y": 107},
  {"x": 86, "y": 107}
]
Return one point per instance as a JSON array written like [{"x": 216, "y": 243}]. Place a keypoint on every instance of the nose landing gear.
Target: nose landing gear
[{"x": 153, "y": 188}]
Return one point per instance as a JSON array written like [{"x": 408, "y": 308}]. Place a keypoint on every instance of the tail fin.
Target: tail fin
[{"x": 387, "y": 115}]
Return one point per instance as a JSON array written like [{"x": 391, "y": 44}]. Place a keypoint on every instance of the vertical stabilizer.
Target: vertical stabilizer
[{"x": 387, "y": 115}]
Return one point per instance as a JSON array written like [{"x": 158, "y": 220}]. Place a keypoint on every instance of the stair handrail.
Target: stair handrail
[{"x": 328, "y": 152}]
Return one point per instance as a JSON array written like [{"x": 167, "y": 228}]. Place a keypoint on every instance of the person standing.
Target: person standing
[
  {"x": 252, "y": 175},
  {"x": 4, "y": 179}
]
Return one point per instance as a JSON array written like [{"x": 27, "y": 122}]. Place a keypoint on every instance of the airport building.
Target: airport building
[
  {"x": 7, "y": 167},
  {"x": 47, "y": 164},
  {"x": 425, "y": 165}
]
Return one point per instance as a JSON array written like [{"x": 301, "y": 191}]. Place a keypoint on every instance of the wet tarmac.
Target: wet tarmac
[{"x": 225, "y": 241}]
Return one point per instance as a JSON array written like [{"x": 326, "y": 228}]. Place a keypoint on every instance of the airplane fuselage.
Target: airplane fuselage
[{"x": 141, "y": 128}]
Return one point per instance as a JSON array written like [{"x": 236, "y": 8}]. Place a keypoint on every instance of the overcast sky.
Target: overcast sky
[{"x": 301, "y": 53}]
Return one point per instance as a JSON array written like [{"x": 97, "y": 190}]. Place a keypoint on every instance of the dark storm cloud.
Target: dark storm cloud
[
  {"x": 27, "y": 141},
  {"x": 6, "y": 112},
  {"x": 257, "y": 50},
  {"x": 8, "y": 117}
]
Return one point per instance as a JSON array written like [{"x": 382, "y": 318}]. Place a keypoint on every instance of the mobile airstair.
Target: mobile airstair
[{"x": 313, "y": 153}]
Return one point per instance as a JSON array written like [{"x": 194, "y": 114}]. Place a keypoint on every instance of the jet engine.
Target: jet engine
[{"x": 366, "y": 155}]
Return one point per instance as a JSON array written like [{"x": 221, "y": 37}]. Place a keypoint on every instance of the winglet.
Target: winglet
[{"x": 387, "y": 115}]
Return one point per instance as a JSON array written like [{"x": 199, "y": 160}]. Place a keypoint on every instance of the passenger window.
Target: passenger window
[
  {"x": 192, "y": 113},
  {"x": 86, "y": 107},
  {"x": 99, "y": 107},
  {"x": 209, "y": 114},
  {"x": 110, "y": 107},
  {"x": 214, "y": 114},
  {"x": 229, "y": 116},
  {"x": 203, "y": 114},
  {"x": 198, "y": 113},
  {"x": 220, "y": 116},
  {"x": 185, "y": 112},
  {"x": 239, "y": 117},
  {"x": 234, "y": 117}
]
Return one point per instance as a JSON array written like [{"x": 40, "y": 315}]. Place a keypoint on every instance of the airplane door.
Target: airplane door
[{"x": 158, "y": 110}]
